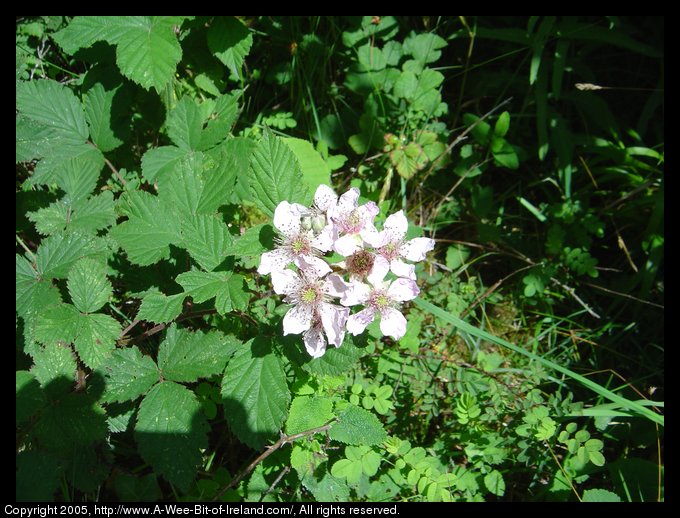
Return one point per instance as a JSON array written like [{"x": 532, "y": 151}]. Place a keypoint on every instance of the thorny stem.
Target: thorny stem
[{"x": 271, "y": 449}]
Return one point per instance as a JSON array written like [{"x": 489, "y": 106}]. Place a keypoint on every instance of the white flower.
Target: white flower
[
  {"x": 381, "y": 298},
  {"x": 296, "y": 245},
  {"x": 391, "y": 248},
  {"x": 311, "y": 312},
  {"x": 353, "y": 222}
]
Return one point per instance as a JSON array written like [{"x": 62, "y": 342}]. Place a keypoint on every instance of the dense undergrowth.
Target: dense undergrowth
[{"x": 151, "y": 155}]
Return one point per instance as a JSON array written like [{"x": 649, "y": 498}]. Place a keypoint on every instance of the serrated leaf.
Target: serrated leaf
[
  {"x": 98, "y": 104},
  {"x": 29, "y": 396},
  {"x": 230, "y": 41},
  {"x": 30, "y": 488},
  {"x": 328, "y": 488},
  {"x": 160, "y": 161},
  {"x": 55, "y": 106},
  {"x": 357, "y": 426},
  {"x": 220, "y": 121},
  {"x": 57, "y": 325},
  {"x": 600, "y": 495},
  {"x": 255, "y": 393},
  {"x": 33, "y": 140},
  {"x": 234, "y": 297},
  {"x": 202, "y": 286},
  {"x": 96, "y": 338},
  {"x": 147, "y": 234},
  {"x": 274, "y": 174},
  {"x": 185, "y": 356},
  {"x": 308, "y": 412},
  {"x": 32, "y": 294},
  {"x": 254, "y": 241},
  {"x": 88, "y": 285},
  {"x": 185, "y": 124},
  {"x": 494, "y": 483},
  {"x": 54, "y": 365},
  {"x": 93, "y": 214},
  {"x": 171, "y": 431},
  {"x": 315, "y": 170},
  {"x": 58, "y": 253},
  {"x": 128, "y": 375},
  {"x": 159, "y": 308},
  {"x": 207, "y": 240},
  {"x": 147, "y": 47},
  {"x": 336, "y": 360}
]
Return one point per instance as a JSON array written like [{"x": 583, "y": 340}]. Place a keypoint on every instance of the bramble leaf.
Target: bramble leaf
[
  {"x": 230, "y": 41},
  {"x": 307, "y": 412},
  {"x": 207, "y": 239},
  {"x": 128, "y": 375},
  {"x": 88, "y": 285},
  {"x": 159, "y": 308},
  {"x": 357, "y": 426},
  {"x": 97, "y": 334}
]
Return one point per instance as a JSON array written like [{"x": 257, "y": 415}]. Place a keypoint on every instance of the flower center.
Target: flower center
[
  {"x": 360, "y": 263},
  {"x": 390, "y": 250},
  {"x": 379, "y": 300},
  {"x": 308, "y": 295},
  {"x": 300, "y": 245},
  {"x": 352, "y": 223}
]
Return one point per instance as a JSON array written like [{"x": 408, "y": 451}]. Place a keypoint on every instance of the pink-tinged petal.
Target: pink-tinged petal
[
  {"x": 416, "y": 249},
  {"x": 285, "y": 282},
  {"x": 335, "y": 286},
  {"x": 392, "y": 323},
  {"x": 374, "y": 238},
  {"x": 287, "y": 218},
  {"x": 380, "y": 268},
  {"x": 334, "y": 319},
  {"x": 402, "y": 269},
  {"x": 357, "y": 323},
  {"x": 349, "y": 244},
  {"x": 347, "y": 202},
  {"x": 324, "y": 241},
  {"x": 275, "y": 260},
  {"x": 357, "y": 293},
  {"x": 368, "y": 212},
  {"x": 402, "y": 290},
  {"x": 325, "y": 198},
  {"x": 314, "y": 266},
  {"x": 315, "y": 342},
  {"x": 396, "y": 226},
  {"x": 297, "y": 320}
]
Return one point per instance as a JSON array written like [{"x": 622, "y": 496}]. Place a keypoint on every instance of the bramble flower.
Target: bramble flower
[
  {"x": 296, "y": 244},
  {"x": 381, "y": 298},
  {"x": 353, "y": 222},
  {"x": 312, "y": 312},
  {"x": 391, "y": 247}
]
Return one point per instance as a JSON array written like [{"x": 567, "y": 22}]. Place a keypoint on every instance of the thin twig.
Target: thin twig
[
  {"x": 28, "y": 251},
  {"x": 283, "y": 473},
  {"x": 160, "y": 327},
  {"x": 572, "y": 292},
  {"x": 271, "y": 449},
  {"x": 625, "y": 295}
]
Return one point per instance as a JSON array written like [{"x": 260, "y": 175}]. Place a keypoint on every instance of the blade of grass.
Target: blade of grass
[{"x": 632, "y": 406}]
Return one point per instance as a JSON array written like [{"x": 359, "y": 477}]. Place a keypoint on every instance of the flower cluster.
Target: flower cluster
[{"x": 341, "y": 225}]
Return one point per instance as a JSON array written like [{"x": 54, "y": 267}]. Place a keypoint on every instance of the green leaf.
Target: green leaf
[
  {"x": 58, "y": 253},
  {"x": 97, "y": 335},
  {"x": 160, "y": 161},
  {"x": 147, "y": 234},
  {"x": 600, "y": 495},
  {"x": 336, "y": 360},
  {"x": 98, "y": 104},
  {"x": 357, "y": 426},
  {"x": 185, "y": 124},
  {"x": 255, "y": 393},
  {"x": 30, "y": 488},
  {"x": 159, "y": 308},
  {"x": 54, "y": 363},
  {"x": 502, "y": 124},
  {"x": 29, "y": 396},
  {"x": 171, "y": 431},
  {"x": 307, "y": 412},
  {"x": 207, "y": 239},
  {"x": 55, "y": 106},
  {"x": 228, "y": 289},
  {"x": 32, "y": 294},
  {"x": 275, "y": 175},
  {"x": 406, "y": 85},
  {"x": 88, "y": 285},
  {"x": 254, "y": 241},
  {"x": 349, "y": 469},
  {"x": 57, "y": 325},
  {"x": 230, "y": 41},
  {"x": 33, "y": 140},
  {"x": 147, "y": 47},
  {"x": 494, "y": 483},
  {"x": 185, "y": 356},
  {"x": 220, "y": 121},
  {"x": 128, "y": 375},
  {"x": 182, "y": 190},
  {"x": 315, "y": 170},
  {"x": 424, "y": 47},
  {"x": 219, "y": 181}
]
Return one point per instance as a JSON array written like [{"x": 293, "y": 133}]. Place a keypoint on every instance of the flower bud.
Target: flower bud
[
  {"x": 306, "y": 222},
  {"x": 318, "y": 223}
]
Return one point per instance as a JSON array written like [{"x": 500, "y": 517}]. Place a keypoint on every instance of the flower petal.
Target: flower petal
[
  {"x": 348, "y": 244},
  {"x": 347, "y": 202},
  {"x": 402, "y": 269},
  {"x": 357, "y": 293},
  {"x": 392, "y": 323},
  {"x": 402, "y": 290},
  {"x": 380, "y": 268},
  {"x": 325, "y": 198},
  {"x": 285, "y": 282},
  {"x": 297, "y": 320},
  {"x": 324, "y": 241},
  {"x": 357, "y": 323},
  {"x": 315, "y": 342},
  {"x": 374, "y": 238},
  {"x": 287, "y": 218},
  {"x": 396, "y": 226},
  {"x": 315, "y": 266},
  {"x": 335, "y": 286},
  {"x": 277, "y": 259},
  {"x": 415, "y": 249},
  {"x": 334, "y": 318}
]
